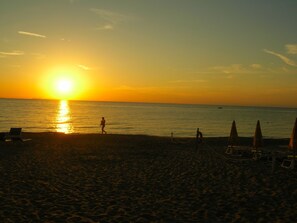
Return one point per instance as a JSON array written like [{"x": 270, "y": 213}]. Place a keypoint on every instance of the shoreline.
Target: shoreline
[
  {"x": 161, "y": 136},
  {"x": 223, "y": 140}
]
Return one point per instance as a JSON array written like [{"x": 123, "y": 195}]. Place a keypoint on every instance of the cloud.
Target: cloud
[
  {"x": 83, "y": 67},
  {"x": 106, "y": 27},
  {"x": 282, "y": 57},
  {"x": 66, "y": 40},
  {"x": 256, "y": 66},
  {"x": 233, "y": 68},
  {"x": 291, "y": 48},
  {"x": 31, "y": 34},
  {"x": 109, "y": 16},
  {"x": 13, "y": 53}
]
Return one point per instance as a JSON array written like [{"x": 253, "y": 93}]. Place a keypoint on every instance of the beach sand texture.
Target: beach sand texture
[{"x": 125, "y": 178}]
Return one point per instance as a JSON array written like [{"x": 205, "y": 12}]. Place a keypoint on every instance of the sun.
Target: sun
[
  {"x": 65, "y": 83},
  {"x": 64, "y": 86}
]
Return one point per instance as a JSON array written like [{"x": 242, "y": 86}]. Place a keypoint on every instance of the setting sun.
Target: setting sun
[
  {"x": 213, "y": 55},
  {"x": 64, "y": 86},
  {"x": 64, "y": 83}
]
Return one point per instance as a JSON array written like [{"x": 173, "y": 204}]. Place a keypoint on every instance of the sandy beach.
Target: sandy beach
[{"x": 133, "y": 178}]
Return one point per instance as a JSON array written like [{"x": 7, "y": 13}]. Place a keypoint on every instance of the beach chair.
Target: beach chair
[
  {"x": 238, "y": 151},
  {"x": 15, "y": 134},
  {"x": 229, "y": 150},
  {"x": 233, "y": 148},
  {"x": 288, "y": 163},
  {"x": 262, "y": 155},
  {"x": 2, "y": 136}
]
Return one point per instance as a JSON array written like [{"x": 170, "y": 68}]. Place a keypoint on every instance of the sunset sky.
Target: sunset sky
[{"x": 239, "y": 52}]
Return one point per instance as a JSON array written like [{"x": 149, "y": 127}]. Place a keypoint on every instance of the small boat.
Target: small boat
[{"x": 220, "y": 107}]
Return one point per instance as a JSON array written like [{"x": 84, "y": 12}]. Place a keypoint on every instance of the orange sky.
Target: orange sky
[{"x": 204, "y": 52}]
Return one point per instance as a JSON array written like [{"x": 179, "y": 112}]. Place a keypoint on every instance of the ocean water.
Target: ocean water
[{"x": 143, "y": 118}]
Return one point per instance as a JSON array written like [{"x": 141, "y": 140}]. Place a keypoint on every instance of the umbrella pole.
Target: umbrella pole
[
  {"x": 293, "y": 166},
  {"x": 273, "y": 162}
]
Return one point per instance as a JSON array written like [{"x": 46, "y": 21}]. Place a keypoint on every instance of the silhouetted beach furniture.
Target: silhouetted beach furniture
[
  {"x": 233, "y": 148},
  {"x": 233, "y": 138},
  {"x": 2, "y": 136},
  {"x": 15, "y": 134},
  {"x": 290, "y": 161},
  {"x": 255, "y": 151},
  {"x": 258, "y": 152}
]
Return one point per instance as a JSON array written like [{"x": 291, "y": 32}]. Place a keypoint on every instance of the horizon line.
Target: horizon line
[{"x": 142, "y": 102}]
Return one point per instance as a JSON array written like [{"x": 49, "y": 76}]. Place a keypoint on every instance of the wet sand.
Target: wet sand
[{"x": 131, "y": 178}]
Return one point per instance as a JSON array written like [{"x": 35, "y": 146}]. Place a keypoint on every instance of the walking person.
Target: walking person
[
  {"x": 102, "y": 124},
  {"x": 199, "y": 138}
]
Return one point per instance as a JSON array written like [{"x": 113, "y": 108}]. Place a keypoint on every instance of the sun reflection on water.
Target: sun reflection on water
[{"x": 63, "y": 118}]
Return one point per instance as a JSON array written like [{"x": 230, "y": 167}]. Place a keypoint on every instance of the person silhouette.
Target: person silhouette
[
  {"x": 199, "y": 138},
  {"x": 102, "y": 124}
]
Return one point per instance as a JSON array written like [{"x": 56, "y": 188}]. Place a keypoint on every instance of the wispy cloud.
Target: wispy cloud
[
  {"x": 106, "y": 27},
  {"x": 66, "y": 40},
  {"x": 83, "y": 67},
  {"x": 233, "y": 68},
  {"x": 231, "y": 71},
  {"x": 31, "y": 34},
  {"x": 282, "y": 57},
  {"x": 110, "y": 16},
  {"x": 291, "y": 48},
  {"x": 12, "y": 53},
  {"x": 256, "y": 66}
]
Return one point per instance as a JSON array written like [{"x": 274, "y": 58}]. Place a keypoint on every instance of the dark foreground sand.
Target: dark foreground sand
[{"x": 121, "y": 178}]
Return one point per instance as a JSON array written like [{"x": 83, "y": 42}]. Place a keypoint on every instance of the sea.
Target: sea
[{"x": 181, "y": 120}]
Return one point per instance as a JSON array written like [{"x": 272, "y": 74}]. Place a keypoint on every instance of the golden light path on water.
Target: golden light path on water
[{"x": 63, "y": 118}]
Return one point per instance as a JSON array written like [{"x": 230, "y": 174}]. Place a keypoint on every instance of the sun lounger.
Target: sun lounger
[
  {"x": 237, "y": 150},
  {"x": 233, "y": 149},
  {"x": 15, "y": 134},
  {"x": 229, "y": 150},
  {"x": 288, "y": 163},
  {"x": 257, "y": 154},
  {"x": 2, "y": 136},
  {"x": 261, "y": 154}
]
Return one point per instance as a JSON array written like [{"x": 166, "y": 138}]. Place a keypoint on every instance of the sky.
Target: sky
[{"x": 233, "y": 52}]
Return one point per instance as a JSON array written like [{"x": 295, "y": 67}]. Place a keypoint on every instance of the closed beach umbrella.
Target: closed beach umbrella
[
  {"x": 233, "y": 139},
  {"x": 293, "y": 139},
  {"x": 258, "y": 138}
]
